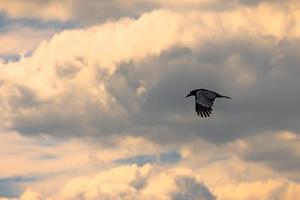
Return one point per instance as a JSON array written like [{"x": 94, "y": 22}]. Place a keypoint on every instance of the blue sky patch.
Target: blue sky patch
[
  {"x": 8, "y": 24},
  {"x": 170, "y": 157},
  {"x": 10, "y": 187}
]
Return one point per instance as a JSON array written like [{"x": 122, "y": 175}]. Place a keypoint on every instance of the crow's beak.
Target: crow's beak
[{"x": 188, "y": 95}]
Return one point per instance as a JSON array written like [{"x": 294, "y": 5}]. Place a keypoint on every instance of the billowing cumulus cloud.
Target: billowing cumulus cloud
[
  {"x": 94, "y": 82},
  {"x": 82, "y": 66}
]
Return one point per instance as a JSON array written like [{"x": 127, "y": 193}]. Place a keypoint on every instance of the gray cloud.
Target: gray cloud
[
  {"x": 94, "y": 12},
  {"x": 256, "y": 2},
  {"x": 268, "y": 103},
  {"x": 278, "y": 153},
  {"x": 278, "y": 158},
  {"x": 99, "y": 11},
  {"x": 190, "y": 189},
  {"x": 76, "y": 11}
]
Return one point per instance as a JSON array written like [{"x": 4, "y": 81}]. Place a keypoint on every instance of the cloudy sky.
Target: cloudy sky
[{"x": 92, "y": 99}]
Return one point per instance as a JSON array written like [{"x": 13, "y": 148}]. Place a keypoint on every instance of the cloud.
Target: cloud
[
  {"x": 51, "y": 9},
  {"x": 29, "y": 195},
  {"x": 95, "y": 87},
  {"x": 254, "y": 99},
  {"x": 133, "y": 182},
  {"x": 113, "y": 184},
  {"x": 280, "y": 154},
  {"x": 46, "y": 162},
  {"x": 190, "y": 189},
  {"x": 226, "y": 180},
  {"x": 19, "y": 37},
  {"x": 95, "y": 12},
  {"x": 75, "y": 10},
  {"x": 61, "y": 75}
]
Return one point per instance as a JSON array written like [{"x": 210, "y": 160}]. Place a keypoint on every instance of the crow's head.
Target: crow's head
[{"x": 192, "y": 93}]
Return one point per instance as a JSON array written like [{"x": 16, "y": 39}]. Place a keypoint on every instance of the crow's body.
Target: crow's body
[{"x": 204, "y": 100}]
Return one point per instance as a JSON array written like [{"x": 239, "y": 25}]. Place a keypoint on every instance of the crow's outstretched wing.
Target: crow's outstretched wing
[
  {"x": 204, "y": 102},
  {"x": 202, "y": 110}
]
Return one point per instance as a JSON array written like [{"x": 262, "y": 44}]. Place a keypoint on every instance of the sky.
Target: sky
[{"x": 92, "y": 99}]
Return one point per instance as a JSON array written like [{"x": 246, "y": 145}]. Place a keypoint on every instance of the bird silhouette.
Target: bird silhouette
[{"x": 204, "y": 100}]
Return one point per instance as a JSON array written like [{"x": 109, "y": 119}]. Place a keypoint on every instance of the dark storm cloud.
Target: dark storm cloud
[
  {"x": 267, "y": 104},
  {"x": 190, "y": 189}
]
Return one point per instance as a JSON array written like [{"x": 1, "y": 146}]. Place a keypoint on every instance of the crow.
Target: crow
[{"x": 204, "y": 100}]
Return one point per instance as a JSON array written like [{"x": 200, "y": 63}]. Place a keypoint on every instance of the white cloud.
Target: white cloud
[{"x": 29, "y": 195}]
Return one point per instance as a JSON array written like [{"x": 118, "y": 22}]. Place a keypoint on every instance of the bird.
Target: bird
[{"x": 204, "y": 100}]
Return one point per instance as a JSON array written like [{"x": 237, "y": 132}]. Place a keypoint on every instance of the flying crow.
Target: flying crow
[{"x": 204, "y": 100}]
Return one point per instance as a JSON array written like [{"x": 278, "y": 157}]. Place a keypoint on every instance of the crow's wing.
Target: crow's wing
[
  {"x": 203, "y": 110},
  {"x": 205, "y": 98}
]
